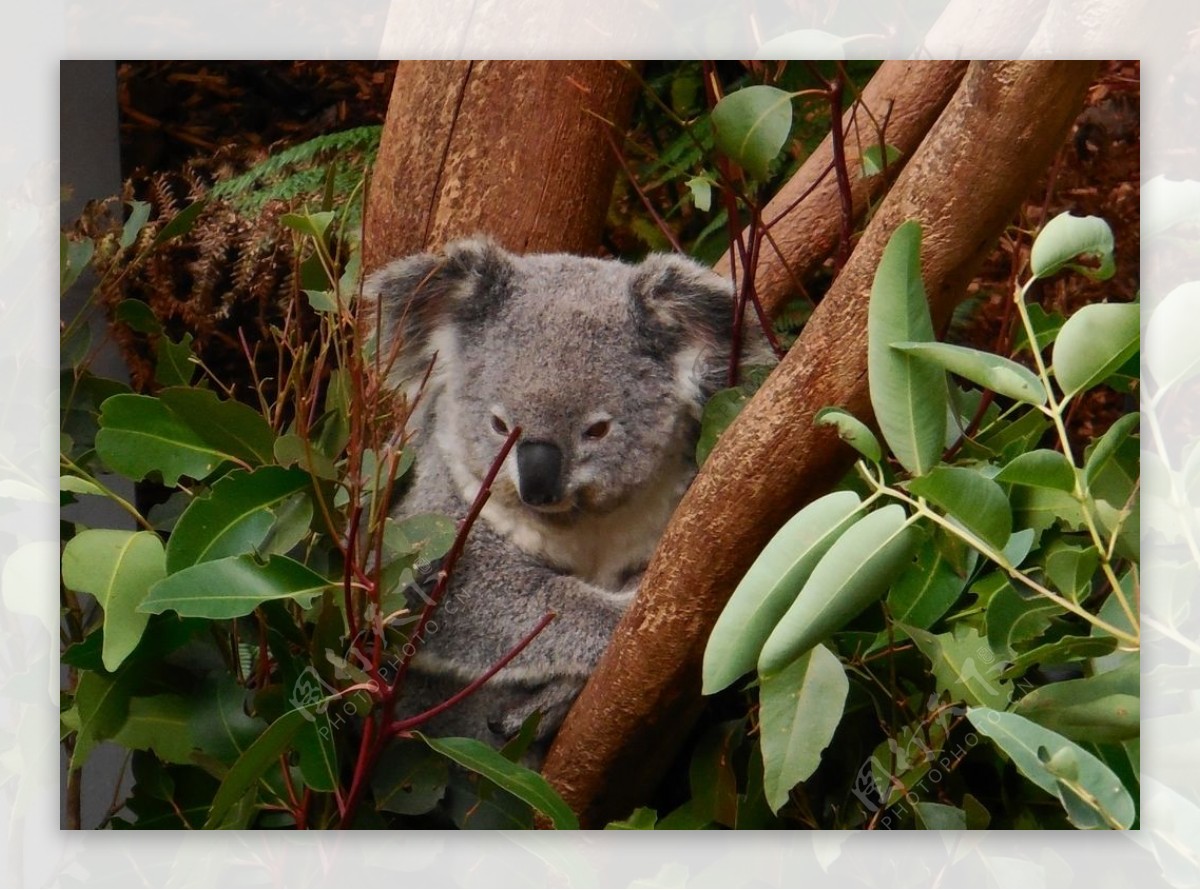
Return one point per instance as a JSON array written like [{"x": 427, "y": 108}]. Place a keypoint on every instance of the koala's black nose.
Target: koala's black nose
[{"x": 539, "y": 469}]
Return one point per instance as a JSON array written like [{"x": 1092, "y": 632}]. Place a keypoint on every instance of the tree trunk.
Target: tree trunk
[
  {"x": 513, "y": 149},
  {"x": 965, "y": 183},
  {"x": 903, "y": 99}
]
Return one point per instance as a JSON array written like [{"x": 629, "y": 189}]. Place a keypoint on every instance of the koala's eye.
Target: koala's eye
[
  {"x": 597, "y": 430},
  {"x": 499, "y": 425}
]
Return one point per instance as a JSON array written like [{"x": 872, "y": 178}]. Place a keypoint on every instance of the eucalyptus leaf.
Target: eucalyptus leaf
[
  {"x": 752, "y": 125},
  {"x": 770, "y": 586},
  {"x": 231, "y": 426},
  {"x": 118, "y": 568},
  {"x": 964, "y": 666},
  {"x": 875, "y": 159},
  {"x": 262, "y": 754},
  {"x": 1002, "y": 376},
  {"x": 235, "y": 517},
  {"x": 139, "y": 435},
  {"x": 173, "y": 365},
  {"x": 909, "y": 396},
  {"x": 927, "y": 589},
  {"x": 517, "y": 780},
  {"x": 1095, "y": 788},
  {"x": 1068, "y": 237},
  {"x": 1100, "y": 708},
  {"x": 856, "y": 571},
  {"x": 1041, "y": 468},
  {"x": 973, "y": 500},
  {"x": 852, "y": 431},
  {"x": 1095, "y": 342},
  {"x": 801, "y": 708},
  {"x": 234, "y": 586}
]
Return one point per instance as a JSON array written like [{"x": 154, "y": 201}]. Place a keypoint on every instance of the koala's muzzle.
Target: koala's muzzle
[{"x": 539, "y": 470}]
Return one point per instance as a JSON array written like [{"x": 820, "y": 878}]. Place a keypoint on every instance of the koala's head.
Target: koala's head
[{"x": 604, "y": 366}]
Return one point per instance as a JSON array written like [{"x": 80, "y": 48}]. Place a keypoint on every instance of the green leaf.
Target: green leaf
[
  {"x": 234, "y": 518},
  {"x": 103, "y": 704},
  {"x": 218, "y": 723},
  {"x": 801, "y": 708},
  {"x": 139, "y": 316},
  {"x": 79, "y": 485},
  {"x": 701, "y": 189},
  {"x": 158, "y": 723},
  {"x": 855, "y": 572},
  {"x": 314, "y": 225},
  {"x": 770, "y": 586},
  {"x": 1101, "y": 708},
  {"x": 939, "y": 816},
  {"x": 234, "y": 586},
  {"x": 719, "y": 412},
  {"x": 1066, "y": 237},
  {"x": 172, "y": 363},
  {"x": 973, "y": 500},
  {"x": 751, "y": 126},
  {"x": 118, "y": 568},
  {"x": 1000, "y": 375},
  {"x": 908, "y": 395},
  {"x": 517, "y": 780},
  {"x": 1041, "y": 468},
  {"x": 1046, "y": 326},
  {"x": 963, "y": 665},
  {"x": 1070, "y": 569},
  {"x": 1013, "y": 617},
  {"x": 852, "y": 431},
  {"x": 181, "y": 223},
  {"x": 318, "y": 753},
  {"x": 74, "y": 255},
  {"x": 1064, "y": 650},
  {"x": 140, "y": 434},
  {"x": 322, "y": 300},
  {"x": 243, "y": 776},
  {"x": 291, "y": 449},
  {"x": 139, "y": 212},
  {"x": 875, "y": 159},
  {"x": 409, "y": 778},
  {"x": 1095, "y": 791},
  {"x": 927, "y": 589},
  {"x": 1107, "y": 448},
  {"x": 1094, "y": 343},
  {"x": 229, "y": 425},
  {"x": 641, "y": 819}
]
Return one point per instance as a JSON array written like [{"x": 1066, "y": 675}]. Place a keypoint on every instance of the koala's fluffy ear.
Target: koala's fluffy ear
[
  {"x": 411, "y": 299},
  {"x": 684, "y": 310}
]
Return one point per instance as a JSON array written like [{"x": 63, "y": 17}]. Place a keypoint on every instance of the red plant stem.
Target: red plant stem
[
  {"x": 408, "y": 723},
  {"x": 650, "y": 208},
  {"x": 374, "y": 735},
  {"x": 836, "y": 87}
]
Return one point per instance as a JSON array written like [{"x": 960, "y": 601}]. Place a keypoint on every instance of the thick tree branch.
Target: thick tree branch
[
  {"x": 964, "y": 184},
  {"x": 513, "y": 149}
]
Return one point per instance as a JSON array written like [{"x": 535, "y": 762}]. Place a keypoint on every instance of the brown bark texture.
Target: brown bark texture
[
  {"x": 898, "y": 106},
  {"x": 964, "y": 184},
  {"x": 513, "y": 149}
]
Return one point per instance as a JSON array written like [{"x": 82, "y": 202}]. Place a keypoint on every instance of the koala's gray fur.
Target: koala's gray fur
[{"x": 605, "y": 367}]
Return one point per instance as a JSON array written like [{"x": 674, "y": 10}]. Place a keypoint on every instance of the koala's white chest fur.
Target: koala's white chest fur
[{"x": 603, "y": 549}]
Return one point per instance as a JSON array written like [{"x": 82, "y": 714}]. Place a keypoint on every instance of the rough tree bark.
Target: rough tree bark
[
  {"x": 965, "y": 182},
  {"x": 513, "y": 149},
  {"x": 903, "y": 99}
]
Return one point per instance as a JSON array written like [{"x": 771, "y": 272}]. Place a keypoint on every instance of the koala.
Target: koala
[{"x": 605, "y": 368}]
